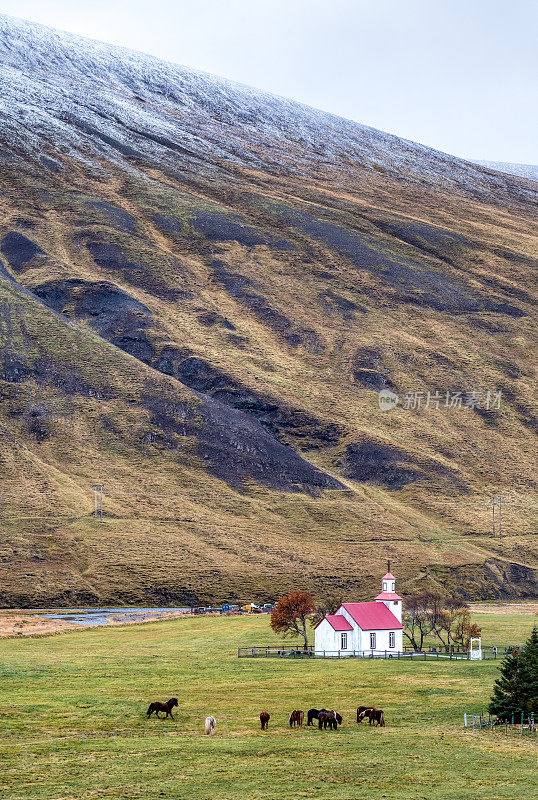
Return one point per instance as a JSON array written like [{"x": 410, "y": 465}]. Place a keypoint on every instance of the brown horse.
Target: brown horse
[
  {"x": 369, "y": 712},
  {"x": 379, "y": 718},
  {"x": 313, "y": 713},
  {"x": 360, "y": 710},
  {"x": 166, "y": 707},
  {"x": 328, "y": 719},
  {"x": 296, "y": 719},
  {"x": 375, "y": 715},
  {"x": 264, "y": 719}
]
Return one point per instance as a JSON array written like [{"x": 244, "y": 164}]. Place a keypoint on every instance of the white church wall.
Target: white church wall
[
  {"x": 329, "y": 641},
  {"x": 382, "y": 641},
  {"x": 325, "y": 638}
]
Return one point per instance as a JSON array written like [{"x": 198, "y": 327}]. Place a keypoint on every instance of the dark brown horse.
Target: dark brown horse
[
  {"x": 375, "y": 715},
  {"x": 328, "y": 719},
  {"x": 296, "y": 719},
  {"x": 166, "y": 707},
  {"x": 313, "y": 713},
  {"x": 264, "y": 719},
  {"x": 369, "y": 712},
  {"x": 379, "y": 718}
]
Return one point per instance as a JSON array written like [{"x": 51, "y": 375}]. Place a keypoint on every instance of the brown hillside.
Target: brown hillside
[{"x": 203, "y": 288}]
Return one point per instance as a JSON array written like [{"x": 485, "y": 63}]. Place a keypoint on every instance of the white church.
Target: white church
[{"x": 370, "y": 628}]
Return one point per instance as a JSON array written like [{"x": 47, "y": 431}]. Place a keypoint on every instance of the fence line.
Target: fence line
[
  {"x": 518, "y": 722},
  {"x": 491, "y": 652},
  {"x": 280, "y": 652}
]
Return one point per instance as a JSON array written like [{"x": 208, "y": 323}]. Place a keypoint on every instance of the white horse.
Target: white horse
[{"x": 210, "y": 725}]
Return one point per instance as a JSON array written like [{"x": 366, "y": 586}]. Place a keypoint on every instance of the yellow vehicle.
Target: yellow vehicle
[{"x": 251, "y": 608}]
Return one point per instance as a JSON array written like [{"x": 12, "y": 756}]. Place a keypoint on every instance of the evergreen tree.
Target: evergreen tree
[
  {"x": 516, "y": 689},
  {"x": 530, "y": 656}
]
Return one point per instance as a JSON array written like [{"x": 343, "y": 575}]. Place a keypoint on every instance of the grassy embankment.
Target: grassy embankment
[{"x": 97, "y": 681}]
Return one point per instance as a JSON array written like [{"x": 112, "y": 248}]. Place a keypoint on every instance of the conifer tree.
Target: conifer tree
[{"x": 516, "y": 690}]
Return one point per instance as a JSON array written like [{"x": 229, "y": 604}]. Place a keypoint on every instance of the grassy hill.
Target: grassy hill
[{"x": 203, "y": 288}]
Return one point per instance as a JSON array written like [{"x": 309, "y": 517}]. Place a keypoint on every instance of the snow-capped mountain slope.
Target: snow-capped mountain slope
[
  {"x": 529, "y": 171},
  {"x": 84, "y": 98}
]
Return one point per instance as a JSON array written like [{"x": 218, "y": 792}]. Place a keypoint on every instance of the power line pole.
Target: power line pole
[
  {"x": 496, "y": 501},
  {"x": 98, "y": 489}
]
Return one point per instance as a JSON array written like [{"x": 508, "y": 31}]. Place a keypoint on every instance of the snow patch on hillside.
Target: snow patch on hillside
[
  {"x": 60, "y": 93},
  {"x": 529, "y": 171}
]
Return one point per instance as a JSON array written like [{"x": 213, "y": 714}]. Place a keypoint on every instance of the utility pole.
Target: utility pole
[
  {"x": 496, "y": 501},
  {"x": 98, "y": 489}
]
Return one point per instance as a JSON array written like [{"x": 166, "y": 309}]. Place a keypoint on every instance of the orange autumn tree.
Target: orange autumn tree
[{"x": 290, "y": 614}]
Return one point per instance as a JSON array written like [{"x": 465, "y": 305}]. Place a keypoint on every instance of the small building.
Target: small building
[{"x": 374, "y": 627}]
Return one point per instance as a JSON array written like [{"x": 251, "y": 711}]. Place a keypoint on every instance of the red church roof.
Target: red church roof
[
  {"x": 388, "y": 577},
  {"x": 338, "y": 622},
  {"x": 388, "y": 596},
  {"x": 373, "y": 616}
]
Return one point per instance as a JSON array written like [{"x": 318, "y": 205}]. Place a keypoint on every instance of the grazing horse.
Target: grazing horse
[
  {"x": 264, "y": 719},
  {"x": 313, "y": 713},
  {"x": 328, "y": 719},
  {"x": 166, "y": 707},
  {"x": 210, "y": 725},
  {"x": 374, "y": 715},
  {"x": 379, "y": 718},
  {"x": 296, "y": 718},
  {"x": 369, "y": 712}
]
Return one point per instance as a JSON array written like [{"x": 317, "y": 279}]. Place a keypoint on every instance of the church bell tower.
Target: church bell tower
[{"x": 388, "y": 594}]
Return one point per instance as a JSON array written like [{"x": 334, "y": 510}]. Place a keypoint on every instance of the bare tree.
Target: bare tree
[
  {"x": 329, "y": 605},
  {"x": 463, "y": 629},
  {"x": 443, "y": 614},
  {"x": 446, "y": 617},
  {"x": 416, "y": 619}
]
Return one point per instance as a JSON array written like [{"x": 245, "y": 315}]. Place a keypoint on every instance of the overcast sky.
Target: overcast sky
[{"x": 459, "y": 75}]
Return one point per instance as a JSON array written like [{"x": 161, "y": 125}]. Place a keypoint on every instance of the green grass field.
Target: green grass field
[{"x": 99, "y": 681}]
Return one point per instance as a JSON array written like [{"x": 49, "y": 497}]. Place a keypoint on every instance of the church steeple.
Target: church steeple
[{"x": 388, "y": 594}]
